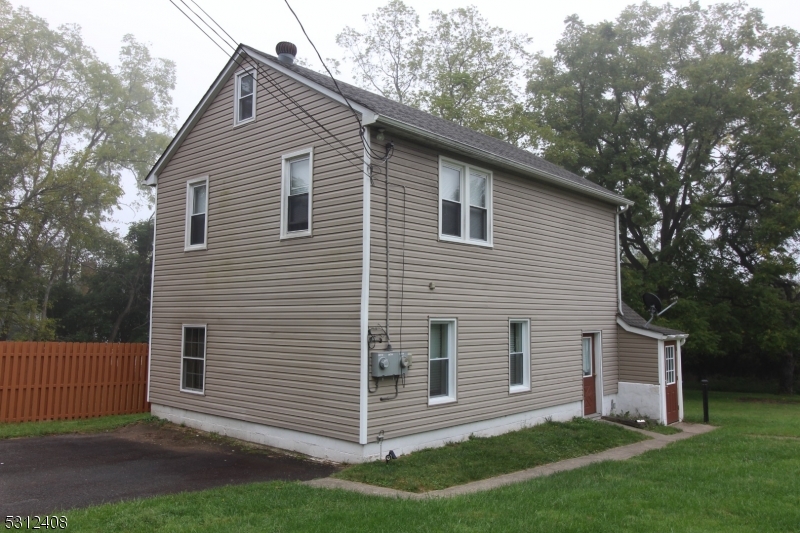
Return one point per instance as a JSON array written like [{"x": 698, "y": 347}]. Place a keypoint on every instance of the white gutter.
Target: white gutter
[
  {"x": 649, "y": 333},
  {"x": 484, "y": 155}
]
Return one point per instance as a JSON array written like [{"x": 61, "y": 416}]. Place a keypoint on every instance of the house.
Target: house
[{"x": 287, "y": 274}]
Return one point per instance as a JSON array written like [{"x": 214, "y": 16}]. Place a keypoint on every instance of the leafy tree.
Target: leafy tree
[
  {"x": 388, "y": 55},
  {"x": 71, "y": 125},
  {"x": 692, "y": 113},
  {"x": 109, "y": 300},
  {"x": 461, "y": 68}
]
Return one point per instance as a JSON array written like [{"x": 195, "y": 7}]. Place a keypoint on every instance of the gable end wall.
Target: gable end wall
[{"x": 283, "y": 316}]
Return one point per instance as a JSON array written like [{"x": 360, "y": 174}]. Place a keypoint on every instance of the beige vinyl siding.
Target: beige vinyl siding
[
  {"x": 638, "y": 358},
  {"x": 553, "y": 262},
  {"x": 283, "y": 316}
]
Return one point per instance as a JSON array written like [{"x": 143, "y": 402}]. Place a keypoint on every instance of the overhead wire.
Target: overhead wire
[
  {"x": 336, "y": 84},
  {"x": 263, "y": 73},
  {"x": 361, "y": 127},
  {"x": 276, "y": 87}
]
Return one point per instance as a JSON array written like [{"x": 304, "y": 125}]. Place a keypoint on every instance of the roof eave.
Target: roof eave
[
  {"x": 485, "y": 155},
  {"x": 650, "y": 333},
  {"x": 194, "y": 117},
  {"x": 368, "y": 116}
]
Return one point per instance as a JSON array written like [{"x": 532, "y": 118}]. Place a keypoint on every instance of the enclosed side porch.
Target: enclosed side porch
[{"x": 650, "y": 382}]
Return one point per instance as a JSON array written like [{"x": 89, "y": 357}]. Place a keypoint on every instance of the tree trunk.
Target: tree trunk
[
  {"x": 112, "y": 337},
  {"x": 787, "y": 373},
  {"x": 47, "y": 294}
]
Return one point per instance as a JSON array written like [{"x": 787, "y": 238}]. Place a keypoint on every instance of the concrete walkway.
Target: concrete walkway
[{"x": 656, "y": 442}]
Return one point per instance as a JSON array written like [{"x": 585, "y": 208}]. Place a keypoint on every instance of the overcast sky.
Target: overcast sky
[{"x": 264, "y": 23}]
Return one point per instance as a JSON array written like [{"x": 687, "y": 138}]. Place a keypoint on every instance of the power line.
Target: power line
[
  {"x": 275, "y": 86},
  {"x": 336, "y": 84},
  {"x": 339, "y": 90}
]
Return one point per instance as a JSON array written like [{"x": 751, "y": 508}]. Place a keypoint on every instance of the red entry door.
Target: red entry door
[
  {"x": 671, "y": 381},
  {"x": 589, "y": 387}
]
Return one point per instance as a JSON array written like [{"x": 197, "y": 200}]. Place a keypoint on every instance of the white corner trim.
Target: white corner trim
[
  {"x": 152, "y": 285},
  {"x": 365, "y": 266},
  {"x": 367, "y": 116},
  {"x": 662, "y": 387},
  {"x": 679, "y": 370},
  {"x": 339, "y": 450},
  {"x": 648, "y": 333}
]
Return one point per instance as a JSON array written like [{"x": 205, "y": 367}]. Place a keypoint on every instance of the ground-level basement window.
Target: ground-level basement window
[
  {"x": 519, "y": 354},
  {"x": 193, "y": 359},
  {"x": 442, "y": 361}
]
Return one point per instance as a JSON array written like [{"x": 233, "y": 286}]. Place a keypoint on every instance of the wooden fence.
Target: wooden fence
[{"x": 66, "y": 380}]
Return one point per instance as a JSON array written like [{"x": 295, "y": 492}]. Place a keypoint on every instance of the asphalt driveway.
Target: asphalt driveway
[{"x": 47, "y": 474}]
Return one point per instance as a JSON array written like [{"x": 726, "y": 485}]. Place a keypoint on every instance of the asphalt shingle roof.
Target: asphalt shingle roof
[
  {"x": 634, "y": 319},
  {"x": 450, "y": 130}
]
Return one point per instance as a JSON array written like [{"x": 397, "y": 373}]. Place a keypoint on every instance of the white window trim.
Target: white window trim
[
  {"x": 452, "y": 368},
  {"x": 188, "y": 229},
  {"x": 464, "y": 239},
  {"x": 674, "y": 364},
  {"x": 236, "y": 121},
  {"x": 286, "y": 159},
  {"x": 526, "y": 356},
  {"x": 205, "y": 358}
]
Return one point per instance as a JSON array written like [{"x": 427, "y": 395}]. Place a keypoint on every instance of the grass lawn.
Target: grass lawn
[
  {"x": 664, "y": 430},
  {"x": 10, "y": 430},
  {"x": 743, "y": 477},
  {"x": 481, "y": 458}
]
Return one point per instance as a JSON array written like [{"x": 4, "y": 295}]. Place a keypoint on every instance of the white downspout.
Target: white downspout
[
  {"x": 620, "y": 210},
  {"x": 152, "y": 286}
]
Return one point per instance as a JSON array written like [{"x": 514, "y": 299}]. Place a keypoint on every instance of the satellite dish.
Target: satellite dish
[{"x": 652, "y": 302}]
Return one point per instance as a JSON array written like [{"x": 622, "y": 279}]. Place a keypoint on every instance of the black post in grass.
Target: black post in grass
[{"x": 705, "y": 400}]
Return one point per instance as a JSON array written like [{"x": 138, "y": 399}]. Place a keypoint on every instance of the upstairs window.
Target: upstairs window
[
  {"x": 196, "y": 213},
  {"x": 245, "y": 97},
  {"x": 297, "y": 194},
  {"x": 465, "y": 203}
]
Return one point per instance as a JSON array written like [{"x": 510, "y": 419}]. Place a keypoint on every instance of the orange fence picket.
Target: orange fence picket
[{"x": 66, "y": 380}]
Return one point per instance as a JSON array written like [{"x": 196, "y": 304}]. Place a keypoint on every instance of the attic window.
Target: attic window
[{"x": 245, "y": 103}]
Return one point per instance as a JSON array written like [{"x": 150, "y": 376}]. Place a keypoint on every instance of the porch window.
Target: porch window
[{"x": 669, "y": 359}]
